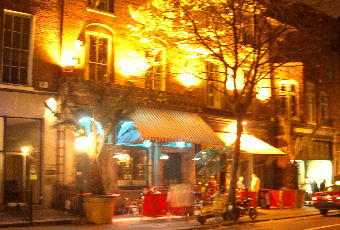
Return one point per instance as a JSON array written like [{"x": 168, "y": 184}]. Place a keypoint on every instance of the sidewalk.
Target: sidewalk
[
  {"x": 185, "y": 223},
  {"x": 13, "y": 218},
  {"x": 55, "y": 217}
]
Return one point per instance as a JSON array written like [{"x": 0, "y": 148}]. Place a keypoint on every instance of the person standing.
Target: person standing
[
  {"x": 240, "y": 184},
  {"x": 255, "y": 186},
  {"x": 323, "y": 185},
  {"x": 315, "y": 187},
  {"x": 255, "y": 183}
]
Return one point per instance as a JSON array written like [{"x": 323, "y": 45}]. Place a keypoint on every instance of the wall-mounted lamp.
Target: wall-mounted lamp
[
  {"x": 164, "y": 156},
  {"x": 78, "y": 44}
]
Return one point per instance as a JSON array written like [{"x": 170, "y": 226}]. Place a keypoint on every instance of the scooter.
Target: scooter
[
  {"x": 243, "y": 207},
  {"x": 213, "y": 207}
]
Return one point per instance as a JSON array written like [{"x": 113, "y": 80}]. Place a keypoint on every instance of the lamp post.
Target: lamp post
[
  {"x": 26, "y": 152},
  {"x": 82, "y": 144}
]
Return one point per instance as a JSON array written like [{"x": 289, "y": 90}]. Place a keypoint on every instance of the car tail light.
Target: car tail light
[
  {"x": 338, "y": 198},
  {"x": 314, "y": 198}
]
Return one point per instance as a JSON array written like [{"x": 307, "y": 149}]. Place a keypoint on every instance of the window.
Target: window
[
  {"x": 310, "y": 102},
  {"x": 18, "y": 165},
  {"x": 214, "y": 86},
  {"x": 323, "y": 106},
  {"x": 155, "y": 76},
  {"x": 16, "y": 48},
  {"x": 98, "y": 49},
  {"x": 105, "y": 5},
  {"x": 131, "y": 168},
  {"x": 289, "y": 98}
]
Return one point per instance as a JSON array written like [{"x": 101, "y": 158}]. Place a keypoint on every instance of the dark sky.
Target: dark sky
[{"x": 330, "y": 7}]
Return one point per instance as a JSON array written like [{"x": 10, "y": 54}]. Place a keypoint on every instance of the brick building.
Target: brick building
[{"x": 45, "y": 43}]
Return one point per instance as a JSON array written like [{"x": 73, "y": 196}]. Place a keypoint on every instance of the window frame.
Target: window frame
[
  {"x": 30, "y": 46},
  {"x": 323, "y": 105},
  {"x": 109, "y": 6},
  {"x": 310, "y": 102},
  {"x": 288, "y": 95},
  {"x": 152, "y": 71},
  {"x": 109, "y": 55},
  {"x": 213, "y": 95}
]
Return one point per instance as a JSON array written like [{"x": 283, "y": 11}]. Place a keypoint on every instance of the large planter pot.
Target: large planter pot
[{"x": 98, "y": 209}]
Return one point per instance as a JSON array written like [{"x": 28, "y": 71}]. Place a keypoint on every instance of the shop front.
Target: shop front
[
  {"x": 155, "y": 147},
  {"x": 313, "y": 152}
]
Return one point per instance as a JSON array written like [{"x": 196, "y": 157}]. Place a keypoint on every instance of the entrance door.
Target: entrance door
[
  {"x": 172, "y": 170},
  {"x": 15, "y": 178}
]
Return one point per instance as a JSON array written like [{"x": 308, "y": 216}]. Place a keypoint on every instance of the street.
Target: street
[
  {"x": 302, "y": 223},
  {"x": 329, "y": 222}
]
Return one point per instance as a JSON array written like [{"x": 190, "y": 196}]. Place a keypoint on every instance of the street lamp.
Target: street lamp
[
  {"x": 82, "y": 143},
  {"x": 25, "y": 150}
]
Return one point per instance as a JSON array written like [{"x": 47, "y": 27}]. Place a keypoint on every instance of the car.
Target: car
[{"x": 326, "y": 200}]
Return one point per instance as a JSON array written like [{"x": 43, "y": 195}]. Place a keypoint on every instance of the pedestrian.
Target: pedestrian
[
  {"x": 240, "y": 184},
  {"x": 255, "y": 183},
  {"x": 315, "y": 187},
  {"x": 323, "y": 185}
]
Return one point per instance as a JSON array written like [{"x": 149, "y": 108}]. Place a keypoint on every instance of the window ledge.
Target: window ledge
[
  {"x": 106, "y": 13},
  {"x": 16, "y": 87}
]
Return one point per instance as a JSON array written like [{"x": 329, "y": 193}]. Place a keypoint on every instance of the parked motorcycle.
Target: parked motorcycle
[{"x": 243, "y": 207}]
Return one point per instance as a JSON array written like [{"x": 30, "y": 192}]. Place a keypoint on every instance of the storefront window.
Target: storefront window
[
  {"x": 21, "y": 150},
  {"x": 131, "y": 168}
]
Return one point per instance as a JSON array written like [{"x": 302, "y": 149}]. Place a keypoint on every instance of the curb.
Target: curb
[{"x": 40, "y": 223}]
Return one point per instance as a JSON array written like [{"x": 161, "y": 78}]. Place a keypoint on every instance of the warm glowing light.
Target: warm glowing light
[
  {"x": 249, "y": 144},
  {"x": 83, "y": 142},
  {"x": 263, "y": 89},
  {"x": 314, "y": 198},
  {"x": 122, "y": 157},
  {"x": 239, "y": 80},
  {"x": 52, "y": 103},
  {"x": 67, "y": 59},
  {"x": 164, "y": 156},
  {"x": 133, "y": 64},
  {"x": 244, "y": 123},
  {"x": 196, "y": 158},
  {"x": 78, "y": 45},
  {"x": 25, "y": 150},
  {"x": 188, "y": 79}
]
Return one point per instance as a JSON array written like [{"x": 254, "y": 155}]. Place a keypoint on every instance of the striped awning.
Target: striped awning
[
  {"x": 250, "y": 144},
  {"x": 173, "y": 126}
]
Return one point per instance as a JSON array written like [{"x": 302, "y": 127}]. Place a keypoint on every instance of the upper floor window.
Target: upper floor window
[
  {"x": 214, "y": 86},
  {"x": 105, "y": 5},
  {"x": 289, "y": 97},
  {"x": 155, "y": 76},
  {"x": 324, "y": 112},
  {"x": 17, "y": 32},
  {"x": 98, "y": 53},
  {"x": 310, "y": 102}
]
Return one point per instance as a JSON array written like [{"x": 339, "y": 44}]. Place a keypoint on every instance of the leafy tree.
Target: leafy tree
[
  {"x": 236, "y": 36},
  {"x": 102, "y": 108}
]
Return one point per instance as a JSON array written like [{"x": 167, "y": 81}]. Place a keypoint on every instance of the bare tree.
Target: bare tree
[{"x": 235, "y": 36}]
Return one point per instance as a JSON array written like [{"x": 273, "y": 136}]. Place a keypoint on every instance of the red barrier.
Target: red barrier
[
  {"x": 274, "y": 198},
  {"x": 154, "y": 205},
  {"x": 288, "y": 198},
  {"x": 246, "y": 194}
]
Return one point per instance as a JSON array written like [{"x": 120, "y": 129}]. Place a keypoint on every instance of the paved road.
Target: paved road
[{"x": 330, "y": 222}]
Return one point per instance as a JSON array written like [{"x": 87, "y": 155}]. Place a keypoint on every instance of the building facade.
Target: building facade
[{"x": 47, "y": 43}]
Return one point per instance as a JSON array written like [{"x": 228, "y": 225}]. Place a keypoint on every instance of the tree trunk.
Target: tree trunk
[{"x": 234, "y": 164}]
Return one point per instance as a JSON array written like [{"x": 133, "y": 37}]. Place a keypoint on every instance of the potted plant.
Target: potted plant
[{"x": 91, "y": 111}]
